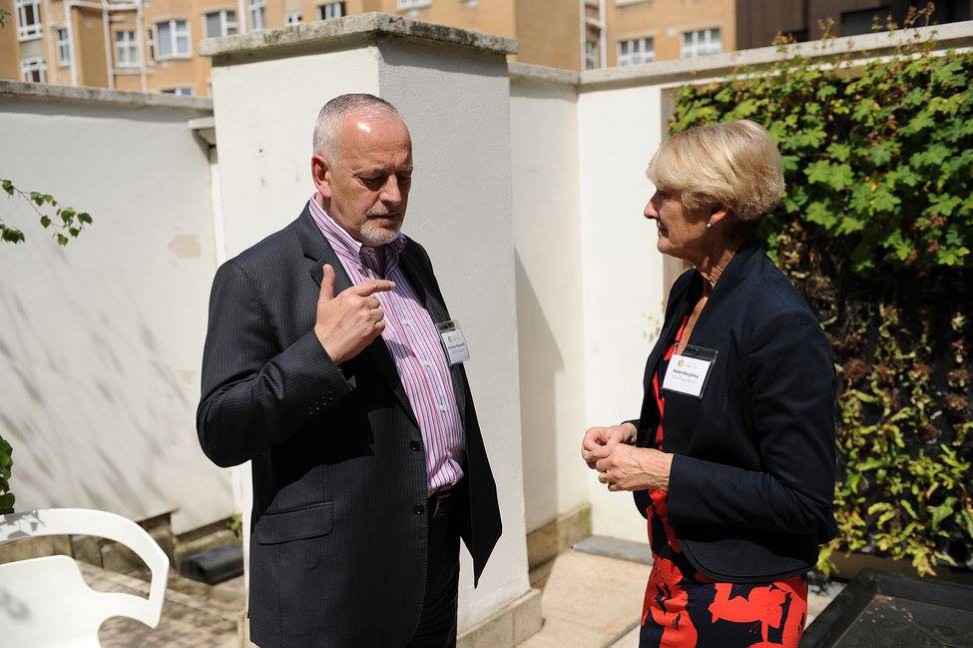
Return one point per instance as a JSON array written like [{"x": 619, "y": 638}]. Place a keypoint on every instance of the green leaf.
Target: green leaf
[
  {"x": 836, "y": 176},
  {"x": 898, "y": 244},
  {"x": 942, "y": 204},
  {"x": 943, "y": 511},
  {"x": 920, "y": 122},
  {"x": 883, "y": 200},
  {"x": 7, "y": 187},
  {"x": 62, "y": 240},
  {"x": 882, "y": 152},
  {"x": 7, "y": 504},
  {"x": 908, "y": 507},
  {"x": 85, "y": 218},
  {"x": 820, "y": 212},
  {"x": 931, "y": 156},
  {"x": 11, "y": 234},
  {"x": 45, "y": 221},
  {"x": 840, "y": 152}
]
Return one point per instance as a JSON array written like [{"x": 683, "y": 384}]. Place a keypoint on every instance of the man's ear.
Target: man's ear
[{"x": 322, "y": 174}]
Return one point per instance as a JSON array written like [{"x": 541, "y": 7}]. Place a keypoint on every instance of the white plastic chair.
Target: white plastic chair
[{"x": 45, "y": 602}]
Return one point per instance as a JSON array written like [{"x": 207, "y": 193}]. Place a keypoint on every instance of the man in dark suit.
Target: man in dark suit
[{"x": 332, "y": 364}]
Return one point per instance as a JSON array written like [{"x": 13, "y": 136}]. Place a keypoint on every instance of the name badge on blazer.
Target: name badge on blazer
[
  {"x": 454, "y": 342},
  {"x": 689, "y": 371}
]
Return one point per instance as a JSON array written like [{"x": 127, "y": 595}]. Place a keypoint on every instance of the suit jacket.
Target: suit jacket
[
  {"x": 338, "y": 541},
  {"x": 752, "y": 481}
]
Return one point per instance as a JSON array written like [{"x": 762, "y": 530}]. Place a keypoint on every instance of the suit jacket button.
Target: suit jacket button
[
  {"x": 419, "y": 509},
  {"x": 415, "y": 446}
]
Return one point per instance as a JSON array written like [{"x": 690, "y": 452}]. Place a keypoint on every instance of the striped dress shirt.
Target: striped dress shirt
[{"x": 414, "y": 343}]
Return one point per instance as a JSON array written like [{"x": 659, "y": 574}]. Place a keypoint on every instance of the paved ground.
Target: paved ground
[
  {"x": 588, "y": 601},
  {"x": 193, "y": 615},
  {"x": 592, "y": 601}
]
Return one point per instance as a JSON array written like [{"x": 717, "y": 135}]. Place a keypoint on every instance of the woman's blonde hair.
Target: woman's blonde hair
[{"x": 735, "y": 164}]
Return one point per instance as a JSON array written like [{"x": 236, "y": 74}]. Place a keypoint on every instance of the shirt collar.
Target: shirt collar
[{"x": 339, "y": 237}]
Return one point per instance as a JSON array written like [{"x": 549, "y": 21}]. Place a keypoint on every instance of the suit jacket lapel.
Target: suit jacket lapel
[
  {"x": 423, "y": 285},
  {"x": 318, "y": 251}
]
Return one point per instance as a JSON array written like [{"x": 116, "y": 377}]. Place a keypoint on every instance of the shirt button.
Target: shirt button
[
  {"x": 415, "y": 446},
  {"x": 407, "y": 323},
  {"x": 442, "y": 407},
  {"x": 419, "y": 509}
]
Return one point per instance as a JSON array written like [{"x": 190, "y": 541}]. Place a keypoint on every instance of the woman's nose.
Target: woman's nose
[{"x": 650, "y": 212}]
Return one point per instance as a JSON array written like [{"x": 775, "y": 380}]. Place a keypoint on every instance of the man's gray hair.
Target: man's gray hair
[{"x": 333, "y": 113}]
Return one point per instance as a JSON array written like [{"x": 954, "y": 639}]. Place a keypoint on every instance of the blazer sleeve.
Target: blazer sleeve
[
  {"x": 792, "y": 382},
  {"x": 255, "y": 395}
]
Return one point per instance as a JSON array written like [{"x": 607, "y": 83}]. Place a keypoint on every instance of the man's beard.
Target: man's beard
[{"x": 374, "y": 236}]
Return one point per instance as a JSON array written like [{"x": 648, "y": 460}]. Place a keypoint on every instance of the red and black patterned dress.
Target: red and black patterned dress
[{"x": 683, "y": 608}]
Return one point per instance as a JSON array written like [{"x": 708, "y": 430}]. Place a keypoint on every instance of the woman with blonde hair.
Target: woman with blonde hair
[{"x": 732, "y": 459}]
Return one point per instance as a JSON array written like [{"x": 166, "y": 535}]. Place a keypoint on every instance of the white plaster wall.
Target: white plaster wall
[
  {"x": 265, "y": 113},
  {"x": 460, "y": 209},
  {"x": 622, "y": 272},
  {"x": 547, "y": 238},
  {"x": 100, "y": 342}
]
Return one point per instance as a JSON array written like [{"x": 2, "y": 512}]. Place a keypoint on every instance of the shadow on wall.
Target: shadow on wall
[
  {"x": 540, "y": 361},
  {"x": 91, "y": 404}
]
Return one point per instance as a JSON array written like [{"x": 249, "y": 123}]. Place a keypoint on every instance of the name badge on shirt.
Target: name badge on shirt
[
  {"x": 689, "y": 371},
  {"x": 454, "y": 342}
]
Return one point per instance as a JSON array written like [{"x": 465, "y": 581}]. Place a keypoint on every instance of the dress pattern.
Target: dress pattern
[{"x": 685, "y": 609}]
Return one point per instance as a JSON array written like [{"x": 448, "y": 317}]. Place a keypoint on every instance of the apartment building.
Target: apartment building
[
  {"x": 641, "y": 31},
  {"x": 152, "y": 45}
]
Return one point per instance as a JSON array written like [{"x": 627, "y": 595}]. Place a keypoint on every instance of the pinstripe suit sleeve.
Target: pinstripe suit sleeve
[{"x": 254, "y": 394}]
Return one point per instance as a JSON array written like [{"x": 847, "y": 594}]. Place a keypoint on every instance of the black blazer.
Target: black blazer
[
  {"x": 338, "y": 542},
  {"x": 750, "y": 493}
]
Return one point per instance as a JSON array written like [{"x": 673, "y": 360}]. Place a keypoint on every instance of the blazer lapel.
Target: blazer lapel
[
  {"x": 423, "y": 286},
  {"x": 318, "y": 251}
]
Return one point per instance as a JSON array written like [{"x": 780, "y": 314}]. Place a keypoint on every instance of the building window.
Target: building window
[
  {"x": 258, "y": 14},
  {"x": 63, "y": 46},
  {"x": 33, "y": 70},
  {"x": 29, "y": 19},
  {"x": 150, "y": 45},
  {"x": 414, "y": 4},
  {"x": 126, "y": 49},
  {"x": 181, "y": 91},
  {"x": 220, "y": 23},
  {"x": 172, "y": 39},
  {"x": 331, "y": 10},
  {"x": 701, "y": 42},
  {"x": 591, "y": 55},
  {"x": 293, "y": 18},
  {"x": 861, "y": 22},
  {"x": 633, "y": 52}
]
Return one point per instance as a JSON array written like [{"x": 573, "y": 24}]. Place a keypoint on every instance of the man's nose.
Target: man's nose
[{"x": 391, "y": 192}]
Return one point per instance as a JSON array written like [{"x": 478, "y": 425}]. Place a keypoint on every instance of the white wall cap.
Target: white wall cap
[
  {"x": 134, "y": 100},
  {"x": 326, "y": 34}
]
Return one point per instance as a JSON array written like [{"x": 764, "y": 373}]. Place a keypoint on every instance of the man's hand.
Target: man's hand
[
  {"x": 348, "y": 323},
  {"x": 634, "y": 469},
  {"x": 599, "y": 441}
]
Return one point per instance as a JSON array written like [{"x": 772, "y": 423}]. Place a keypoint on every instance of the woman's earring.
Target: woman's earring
[{"x": 709, "y": 225}]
